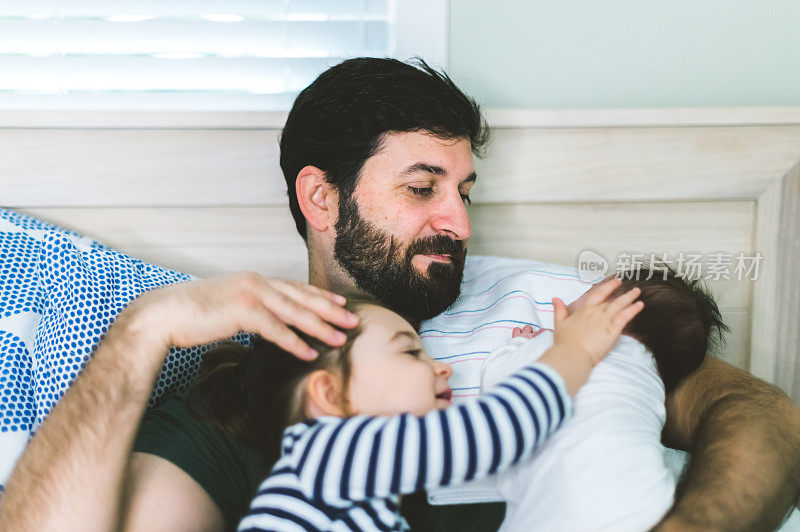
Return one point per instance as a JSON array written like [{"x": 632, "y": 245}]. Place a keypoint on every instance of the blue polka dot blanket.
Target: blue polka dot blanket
[{"x": 59, "y": 292}]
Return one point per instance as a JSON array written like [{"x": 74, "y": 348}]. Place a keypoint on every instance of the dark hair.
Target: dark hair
[
  {"x": 254, "y": 393},
  {"x": 339, "y": 121},
  {"x": 680, "y": 322}
]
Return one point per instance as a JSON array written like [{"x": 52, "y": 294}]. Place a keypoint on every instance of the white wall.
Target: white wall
[{"x": 626, "y": 53}]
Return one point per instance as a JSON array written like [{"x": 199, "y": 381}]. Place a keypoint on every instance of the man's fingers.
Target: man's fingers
[
  {"x": 527, "y": 329},
  {"x": 262, "y": 321},
  {"x": 327, "y": 294},
  {"x": 318, "y": 301},
  {"x": 282, "y": 336},
  {"x": 602, "y": 291},
  {"x": 516, "y": 332},
  {"x": 291, "y": 312},
  {"x": 335, "y": 298},
  {"x": 625, "y": 315},
  {"x": 624, "y": 300}
]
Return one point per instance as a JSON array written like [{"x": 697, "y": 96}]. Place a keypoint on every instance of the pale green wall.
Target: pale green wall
[{"x": 618, "y": 53}]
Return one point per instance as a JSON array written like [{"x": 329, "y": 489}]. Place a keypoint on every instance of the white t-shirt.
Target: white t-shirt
[{"x": 604, "y": 469}]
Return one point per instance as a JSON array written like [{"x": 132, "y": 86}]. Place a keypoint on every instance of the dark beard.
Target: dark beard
[{"x": 372, "y": 257}]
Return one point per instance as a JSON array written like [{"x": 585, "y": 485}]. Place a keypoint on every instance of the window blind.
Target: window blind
[{"x": 203, "y": 54}]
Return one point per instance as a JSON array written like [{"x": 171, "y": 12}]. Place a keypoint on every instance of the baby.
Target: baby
[
  {"x": 371, "y": 420},
  {"x": 605, "y": 469}
]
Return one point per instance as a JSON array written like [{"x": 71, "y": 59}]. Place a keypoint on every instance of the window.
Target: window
[{"x": 205, "y": 54}]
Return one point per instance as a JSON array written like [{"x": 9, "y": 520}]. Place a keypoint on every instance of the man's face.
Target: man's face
[{"x": 402, "y": 234}]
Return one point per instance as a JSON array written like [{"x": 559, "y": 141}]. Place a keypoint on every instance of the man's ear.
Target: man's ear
[
  {"x": 317, "y": 198},
  {"x": 324, "y": 394}
]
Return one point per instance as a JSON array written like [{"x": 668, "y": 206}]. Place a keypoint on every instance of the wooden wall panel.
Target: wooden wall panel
[
  {"x": 634, "y": 164},
  {"x": 160, "y": 227},
  {"x": 64, "y": 167},
  {"x": 170, "y": 167}
]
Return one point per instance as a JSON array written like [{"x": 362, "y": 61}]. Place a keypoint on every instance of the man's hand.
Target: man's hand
[
  {"x": 203, "y": 311},
  {"x": 71, "y": 475}
]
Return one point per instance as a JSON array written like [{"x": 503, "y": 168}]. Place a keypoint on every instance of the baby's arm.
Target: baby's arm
[{"x": 362, "y": 457}]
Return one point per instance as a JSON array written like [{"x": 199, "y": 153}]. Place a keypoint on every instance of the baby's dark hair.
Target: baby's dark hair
[
  {"x": 254, "y": 393},
  {"x": 680, "y": 322}
]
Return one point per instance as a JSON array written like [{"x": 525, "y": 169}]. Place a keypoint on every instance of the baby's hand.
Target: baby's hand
[
  {"x": 595, "y": 327},
  {"x": 526, "y": 331}
]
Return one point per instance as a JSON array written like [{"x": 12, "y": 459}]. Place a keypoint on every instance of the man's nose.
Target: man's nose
[
  {"x": 451, "y": 217},
  {"x": 442, "y": 369}
]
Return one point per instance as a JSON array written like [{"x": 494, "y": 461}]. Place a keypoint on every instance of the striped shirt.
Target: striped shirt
[{"x": 347, "y": 473}]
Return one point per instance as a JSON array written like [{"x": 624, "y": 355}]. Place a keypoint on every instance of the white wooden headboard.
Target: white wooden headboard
[{"x": 203, "y": 193}]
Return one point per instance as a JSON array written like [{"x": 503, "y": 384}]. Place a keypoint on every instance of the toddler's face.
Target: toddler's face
[{"x": 391, "y": 372}]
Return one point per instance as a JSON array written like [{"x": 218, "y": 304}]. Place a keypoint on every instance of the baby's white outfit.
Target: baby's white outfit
[{"x": 604, "y": 469}]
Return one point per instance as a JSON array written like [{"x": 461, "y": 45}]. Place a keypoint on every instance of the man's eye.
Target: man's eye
[
  {"x": 421, "y": 191},
  {"x": 427, "y": 191},
  {"x": 413, "y": 352}
]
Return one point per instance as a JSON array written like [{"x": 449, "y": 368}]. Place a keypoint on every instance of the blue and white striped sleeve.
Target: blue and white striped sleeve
[{"x": 366, "y": 457}]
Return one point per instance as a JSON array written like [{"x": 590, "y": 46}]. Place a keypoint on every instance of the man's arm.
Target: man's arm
[
  {"x": 162, "y": 497},
  {"x": 71, "y": 475},
  {"x": 73, "y": 465},
  {"x": 744, "y": 436}
]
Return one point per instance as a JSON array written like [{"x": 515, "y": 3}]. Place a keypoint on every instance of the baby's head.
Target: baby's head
[
  {"x": 680, "y": 321},
  {"x": 382, "y": 369}
]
